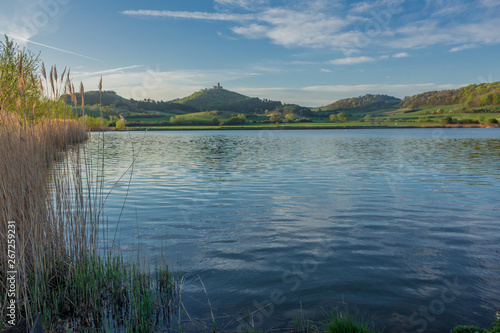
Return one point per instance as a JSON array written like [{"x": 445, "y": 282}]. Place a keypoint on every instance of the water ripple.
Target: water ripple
[{"x": 383, "y": 220}]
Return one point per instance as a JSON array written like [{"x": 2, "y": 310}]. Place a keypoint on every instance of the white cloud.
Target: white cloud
[
  {"x": 324, "y": 70},
  {"x": 247, "y": 4},
  {"x": 252, "y": 31},
  {"x": 398, "y": 90},
  {"x": 23, "y": 41},
  {"x": 191, "y": 15},
  {"x": 352, "y": 60},
  {"x": 308, "y": 26},
  {"x": 401, "y": 55},
  {"x": 287, "y": 95},
  {"x": 463, "y": 47},
  {"x": 350, "y": 28},
  {"x": 380, "y": 87},
  {"x": 370, "y": 6},
  {"x": 490, "y": 3},
  {"x": 323, "y": 95},
  {"x": 22, "y": 21},
  {"x": 290, "y": 27},
  {"x": 450, "y": 9},
  {"x": 422, "y": 34},
  {"x": 106, "y": 71},
  {"x": 28, "y": 19}
]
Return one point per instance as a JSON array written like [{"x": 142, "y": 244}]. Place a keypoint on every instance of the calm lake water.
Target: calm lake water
[{"x": 402, "y": 226}]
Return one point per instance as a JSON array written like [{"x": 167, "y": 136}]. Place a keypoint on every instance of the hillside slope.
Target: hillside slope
[
  {"x": 362, "y": 103},
  {"x": 473, "y": 95},
  {"x": 212, "y": 99},
  {"x": 107, "y": 98},
  {"x": 111, "y": 98},
  {"x": 222, "y": 99}
]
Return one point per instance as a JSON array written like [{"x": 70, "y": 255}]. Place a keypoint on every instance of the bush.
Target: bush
[
  {"x": 275, "y": 118},
  {"x": 492, "y": 121},
  {"x": 120, "y": 125},
  {"x": 304, "y": 120},
  {"x": 342, "y": 117},
  {"x": 468, "y": 329},
  {"x": 346, "y": 322},
  {"x": 93, "y": 122},
  {"x": 237, "y": 119},
  {"x": 290, "y": 117},
  {"x": 448, "y": 120},
  {"x": 147, "y": 123}
]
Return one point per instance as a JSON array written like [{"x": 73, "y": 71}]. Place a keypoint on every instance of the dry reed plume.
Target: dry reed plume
[
  {"x": 30, "y": 144},
  {"x": 56, "y": 201}
]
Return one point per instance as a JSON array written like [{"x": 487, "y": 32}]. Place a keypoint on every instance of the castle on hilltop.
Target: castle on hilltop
[{"x": 218, "y": 86}]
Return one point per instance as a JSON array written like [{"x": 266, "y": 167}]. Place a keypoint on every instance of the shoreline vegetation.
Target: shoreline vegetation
[
  {"x": 51, "y": 211},
  {"x": 65, "y": 277},
  {"x": 293, "y": 127}
]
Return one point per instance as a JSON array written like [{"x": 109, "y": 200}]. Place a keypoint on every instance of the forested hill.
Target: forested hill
[
  {"x": 204, "y": 100},
  {"x": 472, "y": 96},
  {"x": 106, "y": 98},
  {"x": 111, "y": 98},
  {"x": 362, "y": 103},
  {"x": 222, "y": 99}
]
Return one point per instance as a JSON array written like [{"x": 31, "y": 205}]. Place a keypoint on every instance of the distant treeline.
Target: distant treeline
[
  {"x": 363, "y": 103},
  {"x": 252, "y": 105},
  {"x": 298, "y": 110},
  {"x": 473, "y": 95}
]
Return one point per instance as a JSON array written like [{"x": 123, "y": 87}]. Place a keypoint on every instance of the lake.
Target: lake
[{"x": 401, "y": 226}]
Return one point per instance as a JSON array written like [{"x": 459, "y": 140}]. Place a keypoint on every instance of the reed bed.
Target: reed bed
[{"x": 52, "y": 191}]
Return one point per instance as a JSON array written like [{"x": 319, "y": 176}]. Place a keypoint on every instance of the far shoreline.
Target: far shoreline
[{"x": 284, "y": 127}]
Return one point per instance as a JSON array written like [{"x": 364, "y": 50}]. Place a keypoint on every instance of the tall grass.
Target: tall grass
[{"x": 55, "y": 197}]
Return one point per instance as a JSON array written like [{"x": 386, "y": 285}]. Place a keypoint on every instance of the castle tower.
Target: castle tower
[{"x": 218, "y": 86}]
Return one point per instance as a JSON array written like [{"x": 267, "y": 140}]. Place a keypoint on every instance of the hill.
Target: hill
[
  {"x": 212, "y": 99},
  {"x": 222, "y": 99},
  {"x": 473, "y": 95},
  {"x": 362, "y": 103},
  {"x": 112, "y": 99},
  {"x": 203, "y": 100},
  {"x": 107, "y": 98}
]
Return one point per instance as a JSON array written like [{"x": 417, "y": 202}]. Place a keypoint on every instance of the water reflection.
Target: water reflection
[{"x": 382, "y": 219}]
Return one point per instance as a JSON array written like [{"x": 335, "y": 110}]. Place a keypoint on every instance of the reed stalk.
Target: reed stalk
[{"x": 53, "y": 192}]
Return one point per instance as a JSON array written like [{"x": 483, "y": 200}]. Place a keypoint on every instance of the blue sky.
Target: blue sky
[{"x": 310, "y": 52}]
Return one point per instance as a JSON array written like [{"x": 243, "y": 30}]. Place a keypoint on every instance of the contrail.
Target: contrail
[{"x": 53, "y": 48}]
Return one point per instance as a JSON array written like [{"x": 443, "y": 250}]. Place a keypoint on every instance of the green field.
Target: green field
[
  {"x": 393, "y": 117},
  {"x": 388, "y": 117}
]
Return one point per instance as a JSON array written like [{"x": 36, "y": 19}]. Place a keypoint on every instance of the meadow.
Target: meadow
[{"x": 393, "y": 117}]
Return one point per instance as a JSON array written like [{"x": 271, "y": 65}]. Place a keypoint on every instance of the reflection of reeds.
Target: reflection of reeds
[{"x": 56, "y": 205}]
